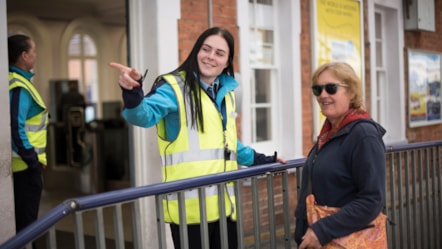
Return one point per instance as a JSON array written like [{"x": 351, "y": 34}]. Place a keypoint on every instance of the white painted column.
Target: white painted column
[
  {"x": 291, "y": 73},
  {"x": 7, "y": 193},
  {"x": 153, "y": 41}
]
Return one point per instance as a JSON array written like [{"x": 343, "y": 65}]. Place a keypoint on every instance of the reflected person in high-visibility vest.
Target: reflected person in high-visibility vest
[
  {"x": 196, "y": 132},
  {"x": 29, "y": 119}
]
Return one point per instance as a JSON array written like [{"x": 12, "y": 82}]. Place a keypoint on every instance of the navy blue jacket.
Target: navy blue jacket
[{"x": 348, "y": 172}]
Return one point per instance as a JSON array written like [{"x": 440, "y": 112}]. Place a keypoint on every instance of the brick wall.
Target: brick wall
[
  {"x": 194, "y": 19},
  {"x": 306, "y": 72}
]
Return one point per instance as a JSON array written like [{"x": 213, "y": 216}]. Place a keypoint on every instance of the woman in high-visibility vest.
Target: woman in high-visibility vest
[
  {"x": 194, "y": 110},
  {"x": 29, "y": 119}
]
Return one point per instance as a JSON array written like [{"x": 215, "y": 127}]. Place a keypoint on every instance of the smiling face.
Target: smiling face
[
  {"x": 212, "y": 58},
  {"x": 333, "y": 106}
]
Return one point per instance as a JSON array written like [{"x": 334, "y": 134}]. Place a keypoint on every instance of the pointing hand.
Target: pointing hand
[{"x": 128, "y": 76}]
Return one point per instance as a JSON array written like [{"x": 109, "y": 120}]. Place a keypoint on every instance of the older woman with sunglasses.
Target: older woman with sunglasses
[{"x": 346, "y": 166}]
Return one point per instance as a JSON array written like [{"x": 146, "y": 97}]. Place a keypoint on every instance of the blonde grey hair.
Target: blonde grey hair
[{"x": 346, "y": 74}]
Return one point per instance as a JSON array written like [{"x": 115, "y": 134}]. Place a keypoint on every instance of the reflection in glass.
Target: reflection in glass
[
  {"x": 89, "y": 46},
  {"x": 262, "y": 86},
  {"x": 261, "y": 47},
  {"x": 83, "y": 65},
  {"x": 74, "y": 45},
  {"x": 75, "y": 69},
  {"x": 263, "y": 124},
  {"x": 91, "y": 79},
  {"x": 261, "y": 105}
]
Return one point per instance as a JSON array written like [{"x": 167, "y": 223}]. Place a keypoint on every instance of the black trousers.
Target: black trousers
[
  {"x": 28, "y": 185},
  {"x": 194, "y": 235}
]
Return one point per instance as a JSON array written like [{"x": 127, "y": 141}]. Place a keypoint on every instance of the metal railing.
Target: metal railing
[
  {"x": 414, "y": 206},
  {"x": 414, "y": 196}
]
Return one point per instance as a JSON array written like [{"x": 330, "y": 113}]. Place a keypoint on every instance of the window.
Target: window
[
  {"x": 381, "y": 71},
  {"x": 270, "y": 76},
  {"x": 387, "y": 88},
  {"x": 82, "y": 65},
  {"x": 262, "y": 106},
  {"x": 263, "y": 70}
]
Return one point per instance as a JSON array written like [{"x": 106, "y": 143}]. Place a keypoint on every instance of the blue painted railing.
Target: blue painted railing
[{"x": 69, "y": 206}]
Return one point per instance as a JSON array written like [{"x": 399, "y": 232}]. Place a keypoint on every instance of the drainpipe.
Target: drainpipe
[{"x": 210, "y": 13}]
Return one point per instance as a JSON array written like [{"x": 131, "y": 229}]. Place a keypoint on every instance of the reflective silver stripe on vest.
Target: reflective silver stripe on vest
[
  {"x": 194, "y": 153},
  {"x": 39, "y": 127},
  {"x": 28, "y": 127},
  {"x": 40, "y": 150},
  {"x": 37, "y": 150},
  {"x": 193, "y": 194},
  {"x": 200, "y": 155}
]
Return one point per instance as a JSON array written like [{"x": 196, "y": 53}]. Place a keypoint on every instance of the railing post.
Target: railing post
[
  {"x": 415, "y": 203},
  {"x": 407, "y": 196},
  {"x": 184, "y": 238},
  {"x": 118, "y": 227},
  {"x": 255, "y": 205},
  {"x": 160, "y": 221},
  {"x": 99, "y": 229},
  {"x": 434, "y": 194},
  {"x": 271, "y": 209},
  {"x": 136, "y": 224},
  {"x": 203, "y": 217},
  {"x": 439, "y": 192},
  {"x": 222, "y": 187},
  {"x": 286, "y": 207},
  {"x": 400, "y": 201},
  {"x": 79, "y": 230},
  {"x": 239, "y": 216},
  {"x": 392, "y": 214}
]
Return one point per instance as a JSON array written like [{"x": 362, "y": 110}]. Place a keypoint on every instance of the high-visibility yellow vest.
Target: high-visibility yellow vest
[
  {"x": 35, "y": 126},
  {"x": 194, "y": 153}
]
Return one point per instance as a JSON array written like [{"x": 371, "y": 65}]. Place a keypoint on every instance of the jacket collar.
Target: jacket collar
[{"x": 27, "y": 74}]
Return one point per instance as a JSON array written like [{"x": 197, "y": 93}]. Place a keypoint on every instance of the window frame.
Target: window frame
[
  {"x": 390, "y": 110},
  {"x": 272, "y": 67}
]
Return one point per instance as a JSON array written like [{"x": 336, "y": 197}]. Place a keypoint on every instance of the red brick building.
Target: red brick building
[{"x": 278, "y": 45}]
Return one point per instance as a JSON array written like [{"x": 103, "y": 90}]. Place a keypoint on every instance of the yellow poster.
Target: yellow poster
[{"x": 337, "y": 36}]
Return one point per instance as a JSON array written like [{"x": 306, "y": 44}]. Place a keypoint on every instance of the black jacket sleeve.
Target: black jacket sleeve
[{"x": 263, "y": 159}]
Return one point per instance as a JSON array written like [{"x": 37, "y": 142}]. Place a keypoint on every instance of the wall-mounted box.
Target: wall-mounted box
[{"x": 419, "y": 15}]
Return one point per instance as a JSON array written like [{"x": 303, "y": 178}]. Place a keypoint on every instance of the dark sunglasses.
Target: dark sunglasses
[{"x": 330, "y": 88}]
